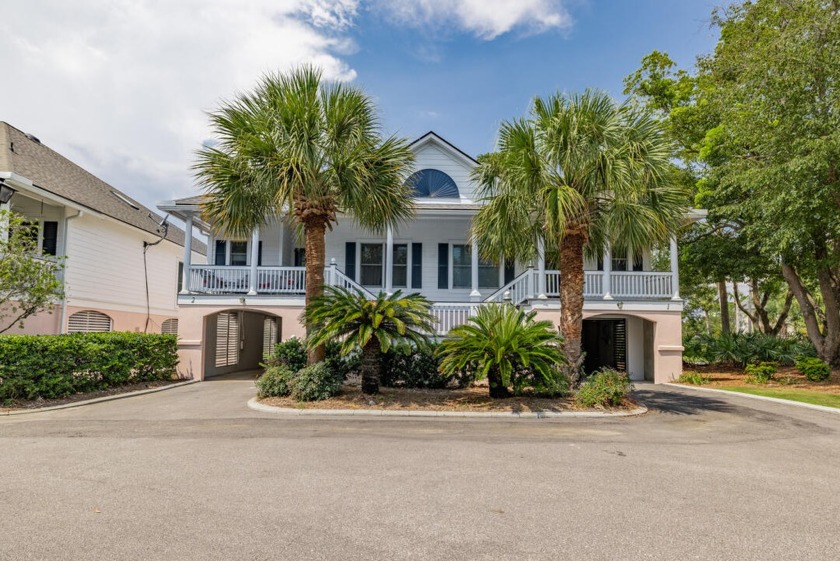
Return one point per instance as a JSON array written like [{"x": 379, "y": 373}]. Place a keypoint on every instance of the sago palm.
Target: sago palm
[
  {"x": 498, "y": 341},
  {"x": 579, "y": 171},
  {"x": 306, "y": 150},
  {"x": 374, "y": 326}
]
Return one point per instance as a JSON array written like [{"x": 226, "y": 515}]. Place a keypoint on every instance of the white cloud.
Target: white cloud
[
  {"x": 121, "y": 87},
  {"x": 485, "y": 18}
]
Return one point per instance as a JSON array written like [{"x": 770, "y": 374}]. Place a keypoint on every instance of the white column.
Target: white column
[
  {"x": 475, "y": 295},
  {"x": 282, "y": 243},
  {"x": 675, "y": 274},
  {"x": 188, "y": 236},
  {"x": 541, "y": 268},
  {"x": 387, "y": 261},
  {"x": 333, "y": 276},
  {"x": 607, "y": 272},
  {"x": 211, "y": 248},
  {"x": 255, "y": 255}
]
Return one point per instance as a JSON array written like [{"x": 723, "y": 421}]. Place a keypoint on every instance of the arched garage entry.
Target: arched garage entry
[
  {"x": 620, "y": 341},
  {"x": 237, "y": 340}
]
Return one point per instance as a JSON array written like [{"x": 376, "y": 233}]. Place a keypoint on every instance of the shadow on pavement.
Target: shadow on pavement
[
  {"x": 250, "y": 375},
  {"x": 678, "y": 403}
]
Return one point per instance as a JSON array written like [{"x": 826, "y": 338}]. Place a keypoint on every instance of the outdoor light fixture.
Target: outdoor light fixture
[{"x": 6, "y": 192}]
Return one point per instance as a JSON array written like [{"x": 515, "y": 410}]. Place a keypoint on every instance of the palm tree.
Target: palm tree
[
  {"x": 579, "y": 171},
  {"x": 500, "y": 340},
  {"x": 306, "y": 150},
  {"x": 374, "y": 326}
]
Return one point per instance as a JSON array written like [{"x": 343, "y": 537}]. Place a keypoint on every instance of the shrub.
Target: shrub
[
  {"x": 315, "y": 383},
  {"x": 413, "y": 367},
  {"x": 760, "y": 373},
  {"x": 693, "y": 378},
  {"x": 555, "y": 385},
  {"x": 342, "y": 365},
  {"x": 741, "y": 349},
  {"x": 814, "y": 369},
  {"x": 605, "y": 388},
  {"x": 498, "y": 342},
  {"x": 290, "y": 353},
  {"x": 275, "y": 382},
  {"x": 55, "y": 366}
]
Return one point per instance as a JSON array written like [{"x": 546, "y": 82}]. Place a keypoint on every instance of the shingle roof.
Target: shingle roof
[{"x": 49, "y": 170}]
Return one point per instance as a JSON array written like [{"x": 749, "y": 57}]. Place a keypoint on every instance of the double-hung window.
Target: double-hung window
[
  {"x": 461, "y": 266},
  {"x": 371, "y": 264},
  {"x": 231, "y": 253},
  {"x": 400, "y": 266}
]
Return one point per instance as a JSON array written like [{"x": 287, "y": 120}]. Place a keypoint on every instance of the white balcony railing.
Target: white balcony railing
[
  {"x": 448, "y": 316},
  {"x": 218, "y": 279}
]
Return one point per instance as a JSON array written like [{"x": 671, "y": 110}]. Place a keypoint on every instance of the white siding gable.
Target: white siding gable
[{"x": 433, "y": 154}]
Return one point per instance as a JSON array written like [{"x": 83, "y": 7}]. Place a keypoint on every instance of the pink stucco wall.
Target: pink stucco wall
[{"x": 191, "y": 331}]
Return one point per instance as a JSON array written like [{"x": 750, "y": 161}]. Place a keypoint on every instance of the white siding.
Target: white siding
[
  {"x": 105, "y": 266},
  {"x": 434, "y": 156}
]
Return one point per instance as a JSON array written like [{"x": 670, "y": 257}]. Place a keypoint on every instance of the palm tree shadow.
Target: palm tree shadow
[{"x": 678, "y": 403}]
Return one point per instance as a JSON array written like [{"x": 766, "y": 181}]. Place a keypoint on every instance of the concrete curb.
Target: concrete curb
[
  {"x": 823, "y": 408},
  {"x": 11, "y": 412},
  {"x": 254, "y": 404}
]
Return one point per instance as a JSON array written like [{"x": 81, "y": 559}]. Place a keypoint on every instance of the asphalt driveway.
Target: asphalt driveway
[{"x": 192, "y": 473}]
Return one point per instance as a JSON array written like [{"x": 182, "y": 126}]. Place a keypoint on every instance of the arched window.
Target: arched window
[
  {"x": 89, "y": 321},
  {"x": 169, "y": 326},
  {"x": 434, "y": 184}
]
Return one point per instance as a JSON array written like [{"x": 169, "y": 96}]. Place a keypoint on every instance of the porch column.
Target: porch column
[
  {"x": 475, "y": 295},
  {"x": 675, "y": 274},
  {"x": 255, "y": 256},
  {"x": 541, "y": 268},
  {"x": 387, "y": 261},
  {"x": 607, "y": 271},
  {"x": 4, "y": 222},
  {"x": 188, "y": 230},
  {"x": 211, "y": 247}
]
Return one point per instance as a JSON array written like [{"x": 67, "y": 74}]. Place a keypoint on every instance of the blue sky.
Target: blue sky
[
  {"x": 121, "y": 88},
  {"x": 462, "y": 86}
]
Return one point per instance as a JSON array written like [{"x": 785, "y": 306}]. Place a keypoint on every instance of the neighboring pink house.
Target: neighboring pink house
[
  {"x": 101, "y": 232},
  {"x": 251, "y": 293}
]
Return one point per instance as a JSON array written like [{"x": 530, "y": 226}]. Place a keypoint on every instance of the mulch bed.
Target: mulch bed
[
  {"x": 786, "y": 377},
  {"x": 40, "y": 402},
  {"x": 473, "y": 399}
]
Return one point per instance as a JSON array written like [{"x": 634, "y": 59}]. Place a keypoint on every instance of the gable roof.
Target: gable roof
[
  {"x": 433, "y": 136},
  {"x": 25, "y": 156}
]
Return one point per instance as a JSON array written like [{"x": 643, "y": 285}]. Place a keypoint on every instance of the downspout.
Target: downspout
[{"x": 67, "y": 220}]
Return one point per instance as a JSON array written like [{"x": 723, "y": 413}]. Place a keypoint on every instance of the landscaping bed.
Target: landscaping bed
[
  {"x": 39, "y": 403},
  {"x": 473, "y": 399},
  {"x": 787, "y": 383}
]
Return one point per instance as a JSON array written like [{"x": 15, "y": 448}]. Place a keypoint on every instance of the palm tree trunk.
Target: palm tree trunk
[
  {"x": 725, "y": 327},
  {"x": 370, "y": 367},
  {"x": 315, "y": 232},
  {"x": 498, "y": 389},
  {"x": 571, "y": 299}
]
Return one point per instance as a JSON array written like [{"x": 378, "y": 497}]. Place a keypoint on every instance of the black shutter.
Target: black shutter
[
  {"x": 50, "y": 238},
  {"x": 350, "y": 259},
  {"x": 416, "y": 265},
  {"x": 259, "y": 254},
  {"x": 510, "y": 271},
  {"x": 443, "y": 266}
]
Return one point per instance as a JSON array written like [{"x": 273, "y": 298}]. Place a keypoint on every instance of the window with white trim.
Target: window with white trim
[
  {"x": 371, "y": 264},
  {"x": 399, "y": 269},
  {"x": 461, "y": 266},
  {"x": 89, "y": 321}
]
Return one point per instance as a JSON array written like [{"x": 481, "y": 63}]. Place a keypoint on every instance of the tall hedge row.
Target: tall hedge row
[{"x": 55, "y": 366}]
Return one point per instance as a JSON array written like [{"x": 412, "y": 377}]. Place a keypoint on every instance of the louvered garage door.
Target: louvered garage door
[{"x": 227, "y": 339}]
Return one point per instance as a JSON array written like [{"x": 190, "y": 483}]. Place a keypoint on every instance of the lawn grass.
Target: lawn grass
[{"x": 806, "y": 396}]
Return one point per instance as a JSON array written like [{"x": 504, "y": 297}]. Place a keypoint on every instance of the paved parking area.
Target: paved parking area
[{"x": 192, "y": 473}]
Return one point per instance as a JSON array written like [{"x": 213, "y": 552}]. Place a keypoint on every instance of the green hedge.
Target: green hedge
[{"x": 55, "y": 366}]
